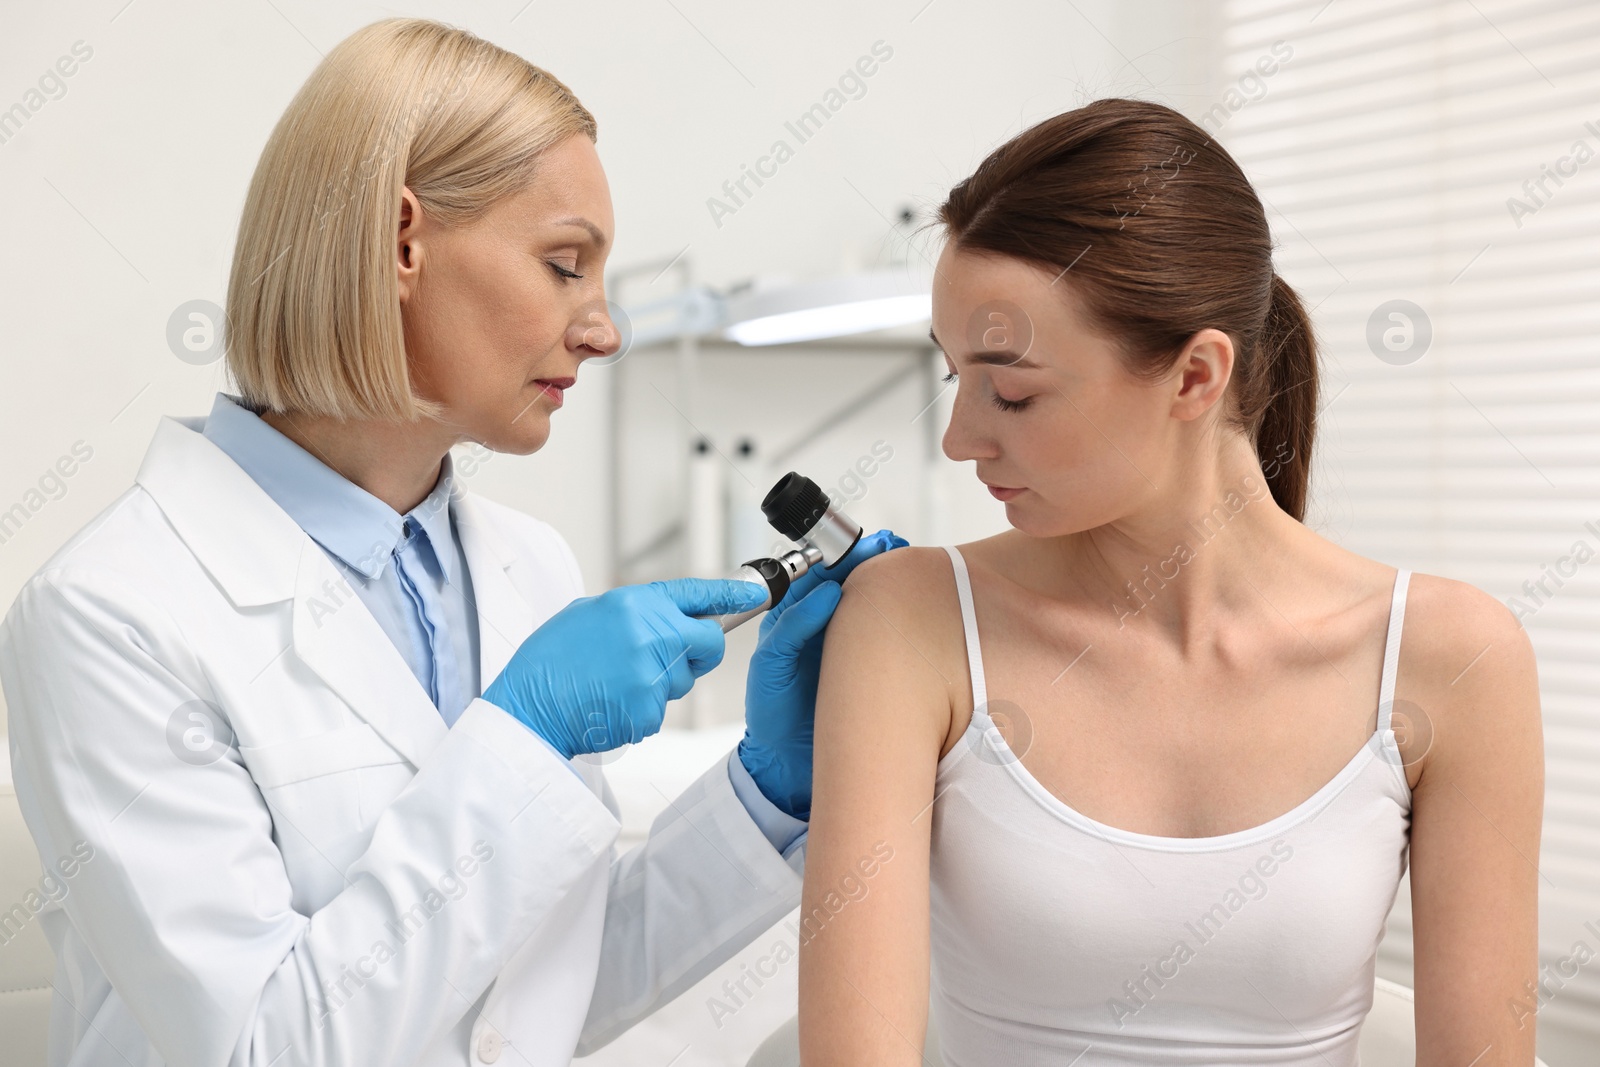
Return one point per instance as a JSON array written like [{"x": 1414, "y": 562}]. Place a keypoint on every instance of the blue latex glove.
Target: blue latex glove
[
  {"x": 599, "y": 672},
  {"x": 780, "y": 696}
]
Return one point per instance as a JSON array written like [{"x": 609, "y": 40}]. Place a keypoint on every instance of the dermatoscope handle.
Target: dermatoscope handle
[
  {"x": 774, "y": 572},
  {"x": 799, "y": 509}
]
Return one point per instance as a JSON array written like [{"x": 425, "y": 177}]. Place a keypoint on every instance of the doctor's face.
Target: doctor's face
[
  {"x": 1045, "y": 404},
  {"x": 500, "y": 312}
]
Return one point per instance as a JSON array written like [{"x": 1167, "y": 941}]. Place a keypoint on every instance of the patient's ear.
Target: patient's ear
[{"x": 1203, "y": 371}]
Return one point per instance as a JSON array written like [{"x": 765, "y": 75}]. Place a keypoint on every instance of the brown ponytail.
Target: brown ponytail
[
  {"x": 1289, "y": 406},
  {"x": 1163, "y": 236}
]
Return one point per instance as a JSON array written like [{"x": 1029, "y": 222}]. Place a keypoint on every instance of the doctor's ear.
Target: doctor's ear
[
  {"x": 407, "y": 248},
  {"x": 1202, "y": 373}
]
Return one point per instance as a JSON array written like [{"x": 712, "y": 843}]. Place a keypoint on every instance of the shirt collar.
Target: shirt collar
[
  {"x": 357, "y": 527},
  {"x": 433, "y": 515}
]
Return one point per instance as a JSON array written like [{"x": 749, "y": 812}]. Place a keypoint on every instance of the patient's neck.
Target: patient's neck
[{"x": 1206, "y": 546}]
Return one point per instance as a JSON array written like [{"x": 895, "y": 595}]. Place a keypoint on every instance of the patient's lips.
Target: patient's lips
[{"x": 1001, "y": 492}]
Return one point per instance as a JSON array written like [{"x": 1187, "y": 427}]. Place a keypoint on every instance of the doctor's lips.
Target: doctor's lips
[{"x": 555, "y": 387}]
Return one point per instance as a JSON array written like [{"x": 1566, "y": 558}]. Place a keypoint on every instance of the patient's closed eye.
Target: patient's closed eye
[
  {"x": 999, "y": 401},
  {"x": 1009, "y": 405}
]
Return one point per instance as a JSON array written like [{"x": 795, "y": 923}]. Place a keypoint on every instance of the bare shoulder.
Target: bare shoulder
[
  {"x": 898, "y": 625},
  {"x": 1452, "y": 629},
  {"x": 908, "y": 595},
  {"x": 1467, "y": 664},
  {"x": 913, "y": 579}
]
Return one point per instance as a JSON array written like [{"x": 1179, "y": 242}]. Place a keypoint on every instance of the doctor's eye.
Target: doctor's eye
[
  {"x": 564, "y": 272},
  {"x": 949, "y": 377}
]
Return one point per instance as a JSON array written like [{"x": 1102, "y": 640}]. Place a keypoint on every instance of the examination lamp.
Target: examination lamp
[
  {"x": 833, "y": 307},
  {"x": 798, "y": 509}
]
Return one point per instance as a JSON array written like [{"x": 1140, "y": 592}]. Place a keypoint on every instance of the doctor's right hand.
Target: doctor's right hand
[{"x": 599, "y": 672}]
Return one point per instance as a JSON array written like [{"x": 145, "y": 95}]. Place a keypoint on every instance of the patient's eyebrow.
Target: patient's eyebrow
[{"x": 1000, "y": 358}]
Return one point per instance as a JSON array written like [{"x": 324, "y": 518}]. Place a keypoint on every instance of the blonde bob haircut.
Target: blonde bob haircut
[{"x": 313, "y": 318}]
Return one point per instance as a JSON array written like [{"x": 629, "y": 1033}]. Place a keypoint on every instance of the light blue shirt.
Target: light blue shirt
[{"x": 411, "y": 573}]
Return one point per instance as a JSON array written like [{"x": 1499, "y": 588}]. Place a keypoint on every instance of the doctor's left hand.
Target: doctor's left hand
[{"x": 780, "y": 696}]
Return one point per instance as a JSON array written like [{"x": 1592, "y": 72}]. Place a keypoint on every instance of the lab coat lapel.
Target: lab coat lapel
[
  {"x": 505, "y": 617},
  {"x": 244, "y": 541},
  {"x": 338, "y": 638},
  {"x": 259, "y": 556}
]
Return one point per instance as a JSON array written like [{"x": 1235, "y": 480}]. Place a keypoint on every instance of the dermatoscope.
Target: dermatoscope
[{"x": 798, "y": 509}]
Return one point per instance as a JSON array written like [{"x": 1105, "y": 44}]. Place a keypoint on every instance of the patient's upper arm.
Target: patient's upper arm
[{"x": 883, "y": 711}]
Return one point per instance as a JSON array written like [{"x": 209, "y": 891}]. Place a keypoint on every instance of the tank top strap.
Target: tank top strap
[
  {"x": 969, "y": 622},
  {"x": 1391, "y": 649}
]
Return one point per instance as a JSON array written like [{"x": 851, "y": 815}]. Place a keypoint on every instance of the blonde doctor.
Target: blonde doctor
[{"x": 317, "y": 729}]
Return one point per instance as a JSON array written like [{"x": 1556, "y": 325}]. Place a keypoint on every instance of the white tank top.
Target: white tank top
[{"x": 1060, "y": 940}]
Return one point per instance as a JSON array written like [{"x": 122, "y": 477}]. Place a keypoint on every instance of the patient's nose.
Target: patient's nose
[{"x": 966, "y": 439}]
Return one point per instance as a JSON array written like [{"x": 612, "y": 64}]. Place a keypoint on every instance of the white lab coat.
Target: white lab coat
[{"x": 349, "y": 881}]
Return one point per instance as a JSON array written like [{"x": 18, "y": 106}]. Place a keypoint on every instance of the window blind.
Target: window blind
[{"x": 1432, "y": 174}]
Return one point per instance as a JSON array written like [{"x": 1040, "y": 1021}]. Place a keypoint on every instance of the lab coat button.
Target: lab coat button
[{"x": 489, "y": 1046}]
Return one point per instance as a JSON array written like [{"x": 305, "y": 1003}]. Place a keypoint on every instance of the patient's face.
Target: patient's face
[{"x": 1090, "y": 441}]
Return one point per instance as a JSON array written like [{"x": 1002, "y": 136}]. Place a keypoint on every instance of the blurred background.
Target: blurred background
[{"x": 1430, "y": 172}]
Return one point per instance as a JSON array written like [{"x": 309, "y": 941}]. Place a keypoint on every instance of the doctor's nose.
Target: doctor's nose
[{"x": 597, "y": 334}]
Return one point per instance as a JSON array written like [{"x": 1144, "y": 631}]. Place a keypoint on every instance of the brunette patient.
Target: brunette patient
[{"x": 1136, "y": 781}]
